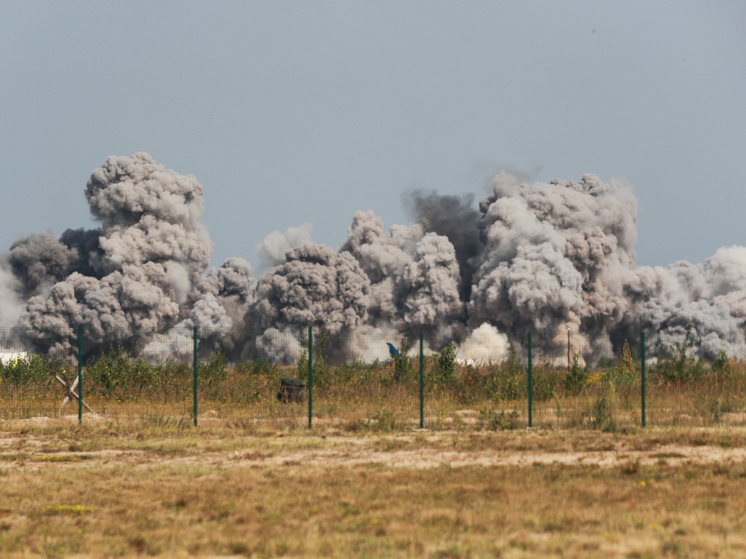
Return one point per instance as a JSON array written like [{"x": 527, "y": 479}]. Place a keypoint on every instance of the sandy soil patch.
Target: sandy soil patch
[{"x": 410, "y": 452}]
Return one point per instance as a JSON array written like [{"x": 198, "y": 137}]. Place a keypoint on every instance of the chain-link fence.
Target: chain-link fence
[{"x": 376, "y": 381}]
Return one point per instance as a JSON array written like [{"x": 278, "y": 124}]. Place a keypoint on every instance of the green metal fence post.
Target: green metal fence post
[
  {"x": 642, "y": 375},
  {"x": 310, "y": 376},
  {"x": 422, "y": 384},
  {"x": 194, "y": 389},
  {"x": 530, "y": 386},
  {"x": 80, "y": 375}
]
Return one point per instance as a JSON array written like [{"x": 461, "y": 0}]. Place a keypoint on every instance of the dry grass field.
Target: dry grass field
[{"x": 161, "y": 489}]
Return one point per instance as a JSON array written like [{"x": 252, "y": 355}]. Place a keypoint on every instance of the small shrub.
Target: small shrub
[
  {"x": 494, "y": 421},
  {"x": 674, "y": 364},
  {"x": 631, "y": 468},
  {"x": 214, "y": 371},
  {"x": 322, "y": 372},
  {"x": 603, "y": 413},
  {"x": 384, "y": 421},
  {"x": 577, "y": 378},
  {"x": 347, "y": 371},
  {"x": 403, "y": 362},
  {"x": 544, "y": 383},
  {"x": 31, "y": 369},
  {"x": 119, "y": 375},
  {"x": 262, "y": 368},
  {"x": 322, "y": 375},
  {"x": 721, "y": 366},
  {"x": 506, "y": 382},
  {"x": 301, "y": 369},
  {"x": 445, "y": 366},
  {"x": 712, "y": 409},
  {"x": 625, "y": 370}
]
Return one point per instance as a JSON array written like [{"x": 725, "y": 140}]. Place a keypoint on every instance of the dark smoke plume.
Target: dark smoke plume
[{"x": 453, "y": 217}]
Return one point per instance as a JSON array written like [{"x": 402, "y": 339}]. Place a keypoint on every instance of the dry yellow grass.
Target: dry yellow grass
[
  {"x": 354, "y": 393},
  {"x": 132, "y": 490}
]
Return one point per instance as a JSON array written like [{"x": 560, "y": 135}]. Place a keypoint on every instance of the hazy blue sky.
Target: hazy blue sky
[{"x": 289, "y": 112}]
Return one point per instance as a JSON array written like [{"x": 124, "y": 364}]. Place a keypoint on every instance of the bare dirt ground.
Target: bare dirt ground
[
  {"x": 413, "y": 450},
  {"x": 130, "y": 490}
]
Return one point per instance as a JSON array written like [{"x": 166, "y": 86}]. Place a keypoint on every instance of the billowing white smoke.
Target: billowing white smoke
[
  {"x": 148, "y": 214},
  {"x": 272, "y": 249},
  {"x": 453, "y": 217},
  {"x": 483, "y": 346},
  {"x": 709, "y": 297},
  {"x": 281, "y": 347}
]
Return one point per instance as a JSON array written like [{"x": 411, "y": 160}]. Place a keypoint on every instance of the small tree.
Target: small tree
[
  {"x": 403, "y": 362},
  {"x": 671, "y": 364},
  {"x": 625, "y": 370},
  {"x": 577, "y": 378},
  {"x": 445, "y": 366}
]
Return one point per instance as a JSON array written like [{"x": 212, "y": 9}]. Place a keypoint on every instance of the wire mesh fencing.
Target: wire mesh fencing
[{"x": 374, "y": 382}]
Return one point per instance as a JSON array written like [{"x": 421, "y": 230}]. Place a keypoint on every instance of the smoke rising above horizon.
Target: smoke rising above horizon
[{"x": 534, "y": 257}]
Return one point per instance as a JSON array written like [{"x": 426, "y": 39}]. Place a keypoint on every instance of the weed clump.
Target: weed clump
[
  {"x": 507, "y": 381},
  {"x": 403, "y": 362},
  {"x": 603, "y": 412},
  {"x": 577, "y": 378},
  {"x": 445, "y": 366},
  {"x": 499, "y": 421}
]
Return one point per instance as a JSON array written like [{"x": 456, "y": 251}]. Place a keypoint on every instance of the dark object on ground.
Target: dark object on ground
[
  {"x": 393, "y": 351},
  {"x": 291, "y": 390}
]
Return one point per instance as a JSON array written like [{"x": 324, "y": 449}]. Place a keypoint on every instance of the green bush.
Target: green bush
[
  {"x": 577, "y": 378},
  {"x": 444, "y": 371},
  {"x": 625, "y": 369},
  {"x": 712, "y": 409},
  {"x": 301, "y": 369},
  {"x": 322, "y": 371},
  {"x": 721, "y": 366},
  {"x": 261, "y": 368},
  {"x": 603, "y": 413},
  {"x": 403, "y": 362},
  {"x": 253, "y": 378},
  {"x": 351, "y": 371},
  {"x": 214, "y": 370},
  {"x": 545, "y": 381},
  {"x": 120, "y": 375},
  {"x": 31, "y": 369},
  {"x": 507, "y": 381},
  {"x": 674, "y": 365}
]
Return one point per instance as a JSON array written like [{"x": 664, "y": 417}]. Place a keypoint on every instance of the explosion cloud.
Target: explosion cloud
[{"x": 546, "y": 258}]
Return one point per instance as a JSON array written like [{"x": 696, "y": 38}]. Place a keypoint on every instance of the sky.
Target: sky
[{"x": 296, "y": 112}]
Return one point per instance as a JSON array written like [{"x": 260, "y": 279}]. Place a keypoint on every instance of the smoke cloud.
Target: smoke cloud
[
  {"x": 130, "y": 278},
  {"x": 548, "y": 258},
  {"x": 272, "y": 249},
  {"x": 453, "y": 217}
]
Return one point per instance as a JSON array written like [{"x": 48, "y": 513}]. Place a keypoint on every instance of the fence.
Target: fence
[{"x": 359, "y": 383}]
